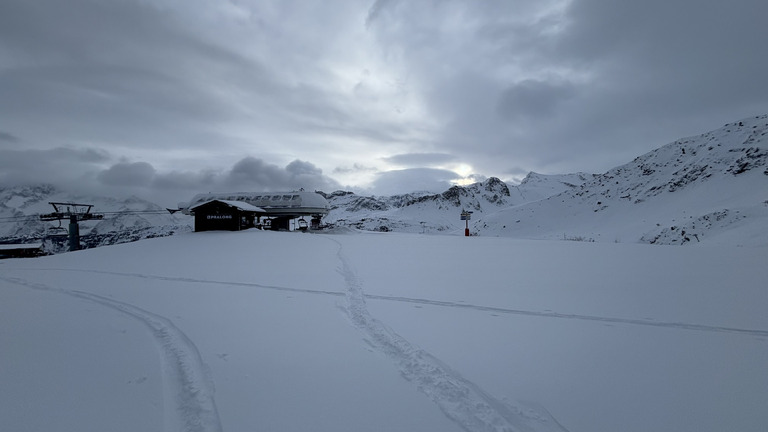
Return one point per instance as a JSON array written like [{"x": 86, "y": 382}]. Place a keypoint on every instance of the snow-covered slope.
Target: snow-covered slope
[
  {"x": 712, "y": 187},
  {"x": 535, "y": 186}
]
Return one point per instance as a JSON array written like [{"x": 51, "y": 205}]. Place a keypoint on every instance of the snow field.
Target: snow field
[{"x": 293, "y": 332}]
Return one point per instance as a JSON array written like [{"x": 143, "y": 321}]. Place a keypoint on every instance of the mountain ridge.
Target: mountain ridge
[
  {"x": 711, "y": 187},
  {"x": 721, "y": 174}
]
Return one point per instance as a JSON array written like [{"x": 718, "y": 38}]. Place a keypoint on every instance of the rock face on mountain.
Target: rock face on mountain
[{"x": 711, "y": 187}]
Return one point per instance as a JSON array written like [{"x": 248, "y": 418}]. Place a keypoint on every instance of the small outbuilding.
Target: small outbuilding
[
  {"x": 21, "y": 250},
  {"x": 225, "y": 215}
]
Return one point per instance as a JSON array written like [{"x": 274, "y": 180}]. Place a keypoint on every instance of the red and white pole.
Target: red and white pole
[{"x": 465, "y": 216}]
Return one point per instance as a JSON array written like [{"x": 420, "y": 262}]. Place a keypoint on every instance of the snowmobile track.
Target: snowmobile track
[
  {"x": 189, "y": 389},
  {"x": 632, "y": 321},
  {"x": 440, "y": 303}
]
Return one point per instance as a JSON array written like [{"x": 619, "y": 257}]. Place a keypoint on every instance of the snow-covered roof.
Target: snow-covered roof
[
  {"x": 20, "y": 246},
  {"x": 296, "y": 203},
  {"x": 237, "y": 204}
]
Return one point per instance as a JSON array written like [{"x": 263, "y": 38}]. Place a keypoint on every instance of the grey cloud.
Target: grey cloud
[
  {"x": 457, "y": 68},
  {"x": 116, "y": 72},
  {"x": 91, "y": 155},
  {"x": 543, "y": 85},
  {"x": 420, "y": 159},
  {"x": 258, "y": 173},
  {"x": 128, "y": 174},
  {"x": 669, "y": 58},
  {"x": 413, "y": 179},
  {"x": 71, "y": 169},
  {"x": 64, "y": 155},
  {"x": 378, "y": 7},
  {"x": 150, "y": 74},
  {"x": 299, "y": 168},
  {"x": 661, "y": 29},
  {"x": 355, "y": 168},
  {"x": 80, "y": 171},
  {"x": 8, "y": 138},
  {"x": 609, "y": 80},
  {"x": 255, "y": 173},
  {"x": 51, "y": 165},
  {"x": 185, "y": 180},
  {"x": 531, "y": 99}
]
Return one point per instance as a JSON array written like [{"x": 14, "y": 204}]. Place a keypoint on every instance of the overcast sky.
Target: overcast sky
[{"x": 167, "y": 98}]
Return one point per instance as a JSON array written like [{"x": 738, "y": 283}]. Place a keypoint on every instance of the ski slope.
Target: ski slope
[{"x": 357, "y": 331}]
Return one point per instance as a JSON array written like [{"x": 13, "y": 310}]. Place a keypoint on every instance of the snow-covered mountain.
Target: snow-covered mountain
[
  {"x": 709, "y": 188},
  {"x": 124, "y": 220},
  {"x": 424, "y": 212},
  {"x": 712, "y": 187}
]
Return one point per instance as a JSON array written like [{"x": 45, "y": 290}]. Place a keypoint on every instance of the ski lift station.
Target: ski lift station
[{"x": 243, "y": 210}]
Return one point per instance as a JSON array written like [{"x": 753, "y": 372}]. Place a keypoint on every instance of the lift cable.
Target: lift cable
[{"x": 23, "y": 218}]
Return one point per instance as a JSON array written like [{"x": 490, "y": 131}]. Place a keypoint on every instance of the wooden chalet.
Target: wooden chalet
[
  {"x": 21, "y": 250},
  {"x": 225, "y": 215}
]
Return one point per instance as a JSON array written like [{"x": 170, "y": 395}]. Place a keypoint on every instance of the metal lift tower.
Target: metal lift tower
[{"x": 75, "y": 213}]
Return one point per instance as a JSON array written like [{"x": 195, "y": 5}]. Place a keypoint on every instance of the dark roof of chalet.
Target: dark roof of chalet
[{"x": 235, "y": 204}]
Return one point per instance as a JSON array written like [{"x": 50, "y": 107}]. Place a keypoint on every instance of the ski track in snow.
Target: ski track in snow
[
  {"x": 460, "y": 400},
  {"x": 632, "y": 321},
  {"x": 440, "y": 303},
  {"x": 196, "y": 281},
  {"x": 188, "y": 386}
]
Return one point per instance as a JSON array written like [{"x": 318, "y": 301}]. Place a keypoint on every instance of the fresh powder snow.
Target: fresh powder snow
[{"x": 357, "y": 331}]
